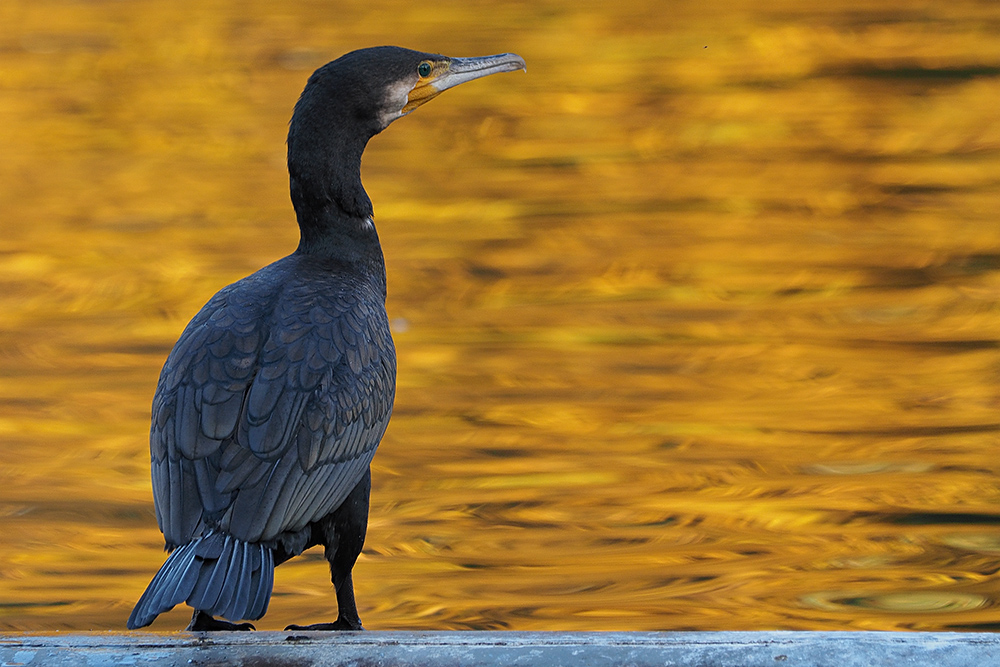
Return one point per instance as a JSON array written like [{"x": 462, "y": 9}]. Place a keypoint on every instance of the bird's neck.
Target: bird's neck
[
  {"x": 333, "y": 210},
  {"x": 345, "y": 244}
]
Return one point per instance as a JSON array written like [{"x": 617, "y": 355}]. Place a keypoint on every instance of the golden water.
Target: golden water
[{"x": 697, "y": 321}]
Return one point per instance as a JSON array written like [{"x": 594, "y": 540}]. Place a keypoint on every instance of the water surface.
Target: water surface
[{"x": 697, "y": 321}]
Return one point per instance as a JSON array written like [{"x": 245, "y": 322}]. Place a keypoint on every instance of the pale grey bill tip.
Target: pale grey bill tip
[{"x": 467, "y": 69}]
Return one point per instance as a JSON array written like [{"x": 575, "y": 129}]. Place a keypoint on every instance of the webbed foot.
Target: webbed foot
[
  {"x": 339, "y": 624},
  {"x": 202, "y": 622}
]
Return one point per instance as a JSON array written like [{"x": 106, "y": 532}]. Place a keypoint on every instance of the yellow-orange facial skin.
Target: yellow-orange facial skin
[
  {"x": 448, "y": 72},
  {"x": 424, "y": 90}
]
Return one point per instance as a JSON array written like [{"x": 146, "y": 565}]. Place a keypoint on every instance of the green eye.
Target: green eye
[{"x": 424, "y": 69}]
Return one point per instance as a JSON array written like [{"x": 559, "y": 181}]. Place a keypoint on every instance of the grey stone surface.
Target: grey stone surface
[{"x": 471, "y": 649}]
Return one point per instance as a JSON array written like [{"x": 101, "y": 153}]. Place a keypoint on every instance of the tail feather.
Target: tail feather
[
  {"x": 241, "y": 596},
  {"x": 263, "y": 582},
  {"x": 231, "y": 583},
  {"x": 179, "y": 577},
  {"x": 217, "y": 574},
  {"x": 209, "y": 586}
]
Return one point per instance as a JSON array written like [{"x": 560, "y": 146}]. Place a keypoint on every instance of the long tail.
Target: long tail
[{"x": 217, "y": 574}]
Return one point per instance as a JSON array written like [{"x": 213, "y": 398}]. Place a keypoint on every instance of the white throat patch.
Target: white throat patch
[{"x": 396, "y": 97}]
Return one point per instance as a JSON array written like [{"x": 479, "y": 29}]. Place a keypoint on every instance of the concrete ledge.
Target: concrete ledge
[{"x": 471, "y": 649}]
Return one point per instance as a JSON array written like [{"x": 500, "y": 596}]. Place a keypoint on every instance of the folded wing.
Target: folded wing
[{"x": 269, "y": 410}]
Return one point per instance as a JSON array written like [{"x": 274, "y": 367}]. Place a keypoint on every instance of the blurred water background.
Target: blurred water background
[{"x": 698, "y": 322}]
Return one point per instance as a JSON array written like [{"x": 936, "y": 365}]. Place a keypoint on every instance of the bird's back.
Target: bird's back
[{"x": 271, "y": 404}]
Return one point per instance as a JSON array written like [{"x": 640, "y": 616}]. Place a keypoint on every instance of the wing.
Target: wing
[{"x": 270, "y": 408}]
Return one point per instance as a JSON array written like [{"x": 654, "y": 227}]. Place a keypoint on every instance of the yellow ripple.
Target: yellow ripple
[
  {"x": 974, "y": 542},
  {"x": 917, "y": 602},
  {"x": 546, "y": 480}
]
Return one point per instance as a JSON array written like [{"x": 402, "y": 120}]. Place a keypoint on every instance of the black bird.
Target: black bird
[{"x": 270, "y": 406}]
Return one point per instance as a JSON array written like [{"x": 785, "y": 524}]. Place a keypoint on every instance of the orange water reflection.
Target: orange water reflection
[{"x": 697, "y": 322}]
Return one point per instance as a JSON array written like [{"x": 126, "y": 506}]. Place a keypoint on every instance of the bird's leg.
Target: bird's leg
[
  {"x": 203, "y": 622},
  {"x": 347, "y": 608},
  {"x": 344, "y": 536},
  {"x": 347, "y": 617}
]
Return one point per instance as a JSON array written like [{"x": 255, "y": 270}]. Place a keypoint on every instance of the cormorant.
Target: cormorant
[{"x": 270, "y": 406}]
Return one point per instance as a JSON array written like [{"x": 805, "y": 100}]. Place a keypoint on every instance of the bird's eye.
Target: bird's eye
[{"x": 424, "y": 69}]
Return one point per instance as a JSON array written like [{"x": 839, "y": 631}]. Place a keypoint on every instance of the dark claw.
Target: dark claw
[
  {"x": 340, "y": 624},
  {"x": 202, "y": 622}
]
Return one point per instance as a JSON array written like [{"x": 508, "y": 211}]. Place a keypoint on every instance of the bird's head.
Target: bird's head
[
  {"x": 378, "y": 85},
  {"x": 348, "y": 101}
]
